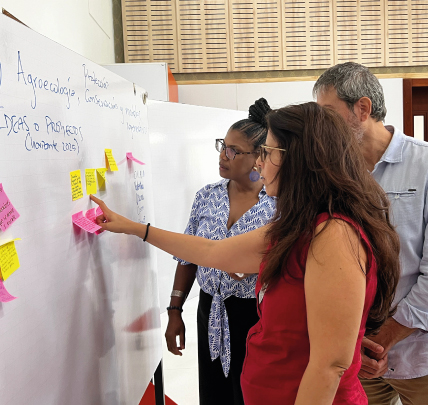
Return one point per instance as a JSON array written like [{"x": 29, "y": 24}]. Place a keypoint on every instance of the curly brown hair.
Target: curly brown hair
[{"x": 323, "y": 170}]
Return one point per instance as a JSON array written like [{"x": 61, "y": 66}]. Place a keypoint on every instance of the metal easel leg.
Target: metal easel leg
[{"x": 158, "y": 383}]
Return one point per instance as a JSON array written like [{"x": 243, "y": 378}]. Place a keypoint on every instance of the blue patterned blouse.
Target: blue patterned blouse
[{"x": 208, "y": 218}]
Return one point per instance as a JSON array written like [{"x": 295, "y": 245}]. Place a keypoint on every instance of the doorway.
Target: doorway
[{"x": 415, "y": 102}]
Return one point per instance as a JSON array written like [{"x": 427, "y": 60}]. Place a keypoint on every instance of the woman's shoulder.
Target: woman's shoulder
[
  {"x": 338, "y": 222},
  {"x": 342, "y": 228},
  {"x": 219, "y": 186},
  {"x": 212, "y": 190}
]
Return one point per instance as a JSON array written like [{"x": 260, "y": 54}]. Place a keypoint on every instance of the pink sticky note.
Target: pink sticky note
[
  {"x": 92, "y": 214},
  {"x": 85, "y": 223},
  {"x": 8, "y": 213},
  {"x": 129, "y": 156},
  {"x": 4, "y": 294}
]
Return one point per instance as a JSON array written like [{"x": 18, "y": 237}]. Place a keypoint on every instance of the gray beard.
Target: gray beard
[{"x": 356, "y": 129}]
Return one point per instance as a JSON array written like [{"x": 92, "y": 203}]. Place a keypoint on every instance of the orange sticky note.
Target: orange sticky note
[
  {"x": 9, "y": 261},
  {"x": 76, "y": 185},
  {"x": 110, "y": 162},
  {"x": 91, "y": 182}
]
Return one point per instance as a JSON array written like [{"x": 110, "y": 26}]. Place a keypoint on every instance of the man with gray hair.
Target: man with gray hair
[{"x": 395, "y": 361}]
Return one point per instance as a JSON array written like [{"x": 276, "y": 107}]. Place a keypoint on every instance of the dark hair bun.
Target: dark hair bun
[{"x": 257, "y": 112}]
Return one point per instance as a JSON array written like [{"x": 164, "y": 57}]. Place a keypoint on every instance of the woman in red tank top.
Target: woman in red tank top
[{"x": 328, "y": 261}]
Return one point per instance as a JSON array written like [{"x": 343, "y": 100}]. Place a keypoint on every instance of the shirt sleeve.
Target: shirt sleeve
[
  {"x": 412, "y": 310},
  {"x": 192, "y": 225}
]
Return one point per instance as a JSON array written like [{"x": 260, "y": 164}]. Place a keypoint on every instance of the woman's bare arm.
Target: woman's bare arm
[
  {"x": 335, "y": 293},
  {"x": 239, "y": 254}
]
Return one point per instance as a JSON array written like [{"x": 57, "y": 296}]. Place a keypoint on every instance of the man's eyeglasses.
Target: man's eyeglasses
[
  {"x": 264, "y": 152},
  {"x": 230, "y": 152}
]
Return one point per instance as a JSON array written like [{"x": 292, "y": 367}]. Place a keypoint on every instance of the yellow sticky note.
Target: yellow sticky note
[
  {"x": 9, "y": 261},
  {"x": 110, "y": 162},
  {"x": 91, "y": 182},
  {"x": 76, "y": 185},
  {"x": 101, "y": 177}
]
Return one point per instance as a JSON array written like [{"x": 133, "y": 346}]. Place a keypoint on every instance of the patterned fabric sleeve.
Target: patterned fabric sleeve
[{"x": 193, "y": 223}]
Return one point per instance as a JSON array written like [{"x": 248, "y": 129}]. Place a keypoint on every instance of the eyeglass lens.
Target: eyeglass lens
[{"x": 220, "y": 146}]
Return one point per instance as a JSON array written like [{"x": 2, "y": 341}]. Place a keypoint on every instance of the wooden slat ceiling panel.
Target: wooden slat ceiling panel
[
  {"x": 255, "y": 34},
  {"x": 217, "y": 35},
  {"x": 307, "y": 31},
  {"x": 203, "y": 35},
  {"x": 149, "y": 30},
  {"x": 268, "y": 34},
  {"x": 407, "y": 32},
  {"x": 419, "y": 30},
  {"x": 239, "y": 35},
  {"x": 243, "y": 36},
  {"x": 398, "y": 33},
  {"x": 372, "y": 32},
  {"x": 191, "y": 36},
  {"x": 294, "y": 33},
  {"x": 321, "y": 50},
  {"x": 135, "y": 30},
  {"x": 347, "y": 36},
  {"x": 162, "y": 27},
  {"x": 360, "y": 32}
]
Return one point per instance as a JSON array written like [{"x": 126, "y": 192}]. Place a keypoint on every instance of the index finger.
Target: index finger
[
  {"x": 101, "y": 203},
  {"x": 373, "y": 346}
]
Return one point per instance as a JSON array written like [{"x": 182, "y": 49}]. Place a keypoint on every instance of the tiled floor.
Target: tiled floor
[{"x": 181, "y": 372}]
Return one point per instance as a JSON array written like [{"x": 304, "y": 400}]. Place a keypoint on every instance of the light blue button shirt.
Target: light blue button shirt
[
  {"x": 403, "y": 174},
  {"x": 208, "y": 219}
]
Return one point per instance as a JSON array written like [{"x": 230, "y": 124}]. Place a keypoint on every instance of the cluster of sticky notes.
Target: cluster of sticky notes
[
  {"x": 92, "y": 176},
  {"x": 9, "y": 261},
  {"x": 8, "y": 213},
  {"x": 131, "y": 157},
  {"x": 88, "y": 221},
  {"x": 90, "y": 180}
]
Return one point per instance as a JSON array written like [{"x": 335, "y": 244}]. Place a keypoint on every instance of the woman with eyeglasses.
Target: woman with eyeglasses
[
  {"x": 328, "y": 262},
  {"x": 227, "y": 307}
]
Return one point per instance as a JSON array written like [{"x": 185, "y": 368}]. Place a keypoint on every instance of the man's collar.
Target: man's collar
[{"x": 394, "y": 151}]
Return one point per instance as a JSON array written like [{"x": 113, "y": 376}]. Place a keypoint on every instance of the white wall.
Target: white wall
[
  {"x": 84, "y": 26},
  {"x": 278, "y": 94}
]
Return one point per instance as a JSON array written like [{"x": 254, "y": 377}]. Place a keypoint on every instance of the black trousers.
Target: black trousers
[{"x": 214, "y": 387}]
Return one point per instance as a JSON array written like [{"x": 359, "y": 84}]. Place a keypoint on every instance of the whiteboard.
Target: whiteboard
[
  {"x": 85, "y": 327},
  {"x": 152, "y": 76},
  {"x": 182, "y": 137}
]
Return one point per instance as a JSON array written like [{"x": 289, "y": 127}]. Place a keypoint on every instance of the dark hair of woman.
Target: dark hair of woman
[
  {"x": 337, "y": 182},
  {"x": 255, "y": 126}
]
